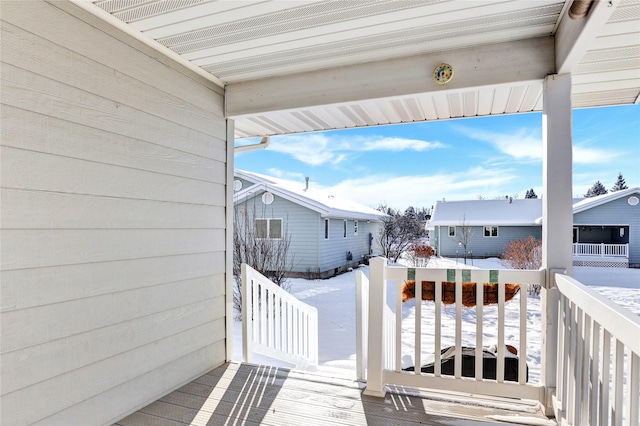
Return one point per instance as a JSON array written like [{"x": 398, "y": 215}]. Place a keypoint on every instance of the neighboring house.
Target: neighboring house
[
  {"x": 606, "y": 229},
  {"x": 327, "y": 234},
  {"x": 487, "y": 225}
]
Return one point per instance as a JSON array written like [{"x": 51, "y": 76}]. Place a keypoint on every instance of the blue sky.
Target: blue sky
[{"x": 416, "y": 164}]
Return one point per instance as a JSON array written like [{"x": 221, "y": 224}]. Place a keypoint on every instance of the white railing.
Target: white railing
[
  {"x": 600, "y": 250},
  {"x": 362, "y": 328},
  {"x": 598, "y": 380},
  {"x": 275, "y": 323},
  {"x": 378, "y": 375}
]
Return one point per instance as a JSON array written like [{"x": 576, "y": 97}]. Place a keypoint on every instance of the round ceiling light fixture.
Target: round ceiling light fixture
[{"x": 443, "y": 73}]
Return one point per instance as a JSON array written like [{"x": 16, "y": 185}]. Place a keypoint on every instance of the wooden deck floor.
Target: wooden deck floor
[{"x": 243, "y": 394}]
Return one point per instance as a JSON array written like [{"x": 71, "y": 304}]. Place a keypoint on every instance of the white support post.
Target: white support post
[
  {"x": 377, "y": 296},
  {"x": 557, "y": 215},
  {"x": 229, "y": 212}
]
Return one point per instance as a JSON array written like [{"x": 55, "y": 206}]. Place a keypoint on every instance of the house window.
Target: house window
[
  {"x": 326, "y": 229},
  {"x": 355, "y": 227},
  {"x": 275, "y": 228},
  {"x": 452, "y": 231},
  {"x": 344, "y": 229},
  {"x": 490, "y": 231},
  {"x": 268, "y": 228}
]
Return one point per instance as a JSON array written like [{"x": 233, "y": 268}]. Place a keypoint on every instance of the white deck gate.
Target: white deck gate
[
  {"x": 598, "y": 380},
  {"x": 378, "y": 372},
  {"x": 275, "y": 323}
]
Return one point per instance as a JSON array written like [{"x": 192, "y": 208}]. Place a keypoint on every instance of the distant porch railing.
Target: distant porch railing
[
  {"x": 276, "y": 324},
  {"x": 600, "y": 250},
  {"x": 381, "y": 371},
  {"x": 598, "y": 379}
]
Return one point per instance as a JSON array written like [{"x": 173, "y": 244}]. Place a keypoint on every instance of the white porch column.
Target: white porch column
[{"x": 557, "y": 214}]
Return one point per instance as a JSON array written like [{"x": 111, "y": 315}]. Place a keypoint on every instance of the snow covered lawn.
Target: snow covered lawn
[{"x": 335, "y": 300}]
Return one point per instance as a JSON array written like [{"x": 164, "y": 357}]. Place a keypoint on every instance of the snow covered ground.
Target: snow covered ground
[{"x": 335, "y": 300}]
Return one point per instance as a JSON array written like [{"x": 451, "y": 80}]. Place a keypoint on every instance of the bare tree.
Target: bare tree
[
  {"x": 398, "y": 232},
  {"x": 419, "y": 254},
  {"x": 464, "y": 236},
  {"x": 523, "y": 253},
  {"x": 266, "y": 253}
]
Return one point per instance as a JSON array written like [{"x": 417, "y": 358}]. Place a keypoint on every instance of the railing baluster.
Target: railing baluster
[
  {"x": 595, "y": 379},
  {"x": 585, "y": 369},
  {"x": 418, "y": 328},
  {"x": 479, "y": 326},
  {"x": 562, "y": 341},
  {"x": 501, "y": 343},
  {"x": 458, "y": 351},
  {"x": 579, "y": 367},
  {"x": 605, "y": 378},
  {"x": 522, "y": 354},
  {"x": 263, "y": 315},
  {"x": 571, "y": 366},
  {"x": 278, "y": 319},
  {"x": 633, "y": 409},
  {"x": 397, "y": 322},
  {"x": 438, "y": 327},
  {"x": 618, "y": 384}
]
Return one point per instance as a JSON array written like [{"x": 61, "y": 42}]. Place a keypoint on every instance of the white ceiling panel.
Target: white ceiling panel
[{"x": 280, "y": 44}]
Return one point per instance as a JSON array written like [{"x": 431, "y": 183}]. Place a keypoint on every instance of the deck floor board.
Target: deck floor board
[{"x": 245, "y": 394}]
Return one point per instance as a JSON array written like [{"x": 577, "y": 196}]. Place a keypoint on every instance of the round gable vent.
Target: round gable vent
[
  {"x": 237, "y": 185},
  {"x": 267, "y": 198},
  {"x": 633, "y": 201}
]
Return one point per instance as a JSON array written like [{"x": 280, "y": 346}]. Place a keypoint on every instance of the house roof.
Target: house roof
[
  {"x": 588, "y": 203},
  {"x": 311, "y": 65},
  {"x": 313, "y": 198},
  {"x": 519, "y": 212},
  {"x": 526, "y": 212}
]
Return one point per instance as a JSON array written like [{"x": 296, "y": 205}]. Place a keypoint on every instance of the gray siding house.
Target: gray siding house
[
  {"x": 606, "y": 229},
  {"x": 488, "y": 225},
  {"x": 327, "y": 234}
]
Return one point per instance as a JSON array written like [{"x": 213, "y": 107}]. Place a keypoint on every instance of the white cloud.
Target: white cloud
[
  {"x": 522, "y": 144},
  {"x": 586, "y": 155},
  {"x": 399, "y": 144},
  {"x": 317, "y": 149},
  {"x": 526, "y": 144},
  {"x": 284, "y": 174},
  {"x": 424, "y": 190}
]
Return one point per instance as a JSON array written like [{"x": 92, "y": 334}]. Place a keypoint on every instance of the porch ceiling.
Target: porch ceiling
[{"x": 306, "y": 65}]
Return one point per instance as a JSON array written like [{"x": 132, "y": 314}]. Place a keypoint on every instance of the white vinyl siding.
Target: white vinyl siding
[{"x": 113, "y": 174}]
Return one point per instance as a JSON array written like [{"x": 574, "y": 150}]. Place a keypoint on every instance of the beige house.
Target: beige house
[{"x": 116, "y": 165}]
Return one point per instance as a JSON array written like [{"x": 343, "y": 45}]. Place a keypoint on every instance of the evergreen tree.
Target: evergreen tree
[
  {"x": 620, "y": 184},
  {"x": 530, "y": 194},
  {"x": 595, "y": 190},
  {"x": 410, "y": 212}
]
